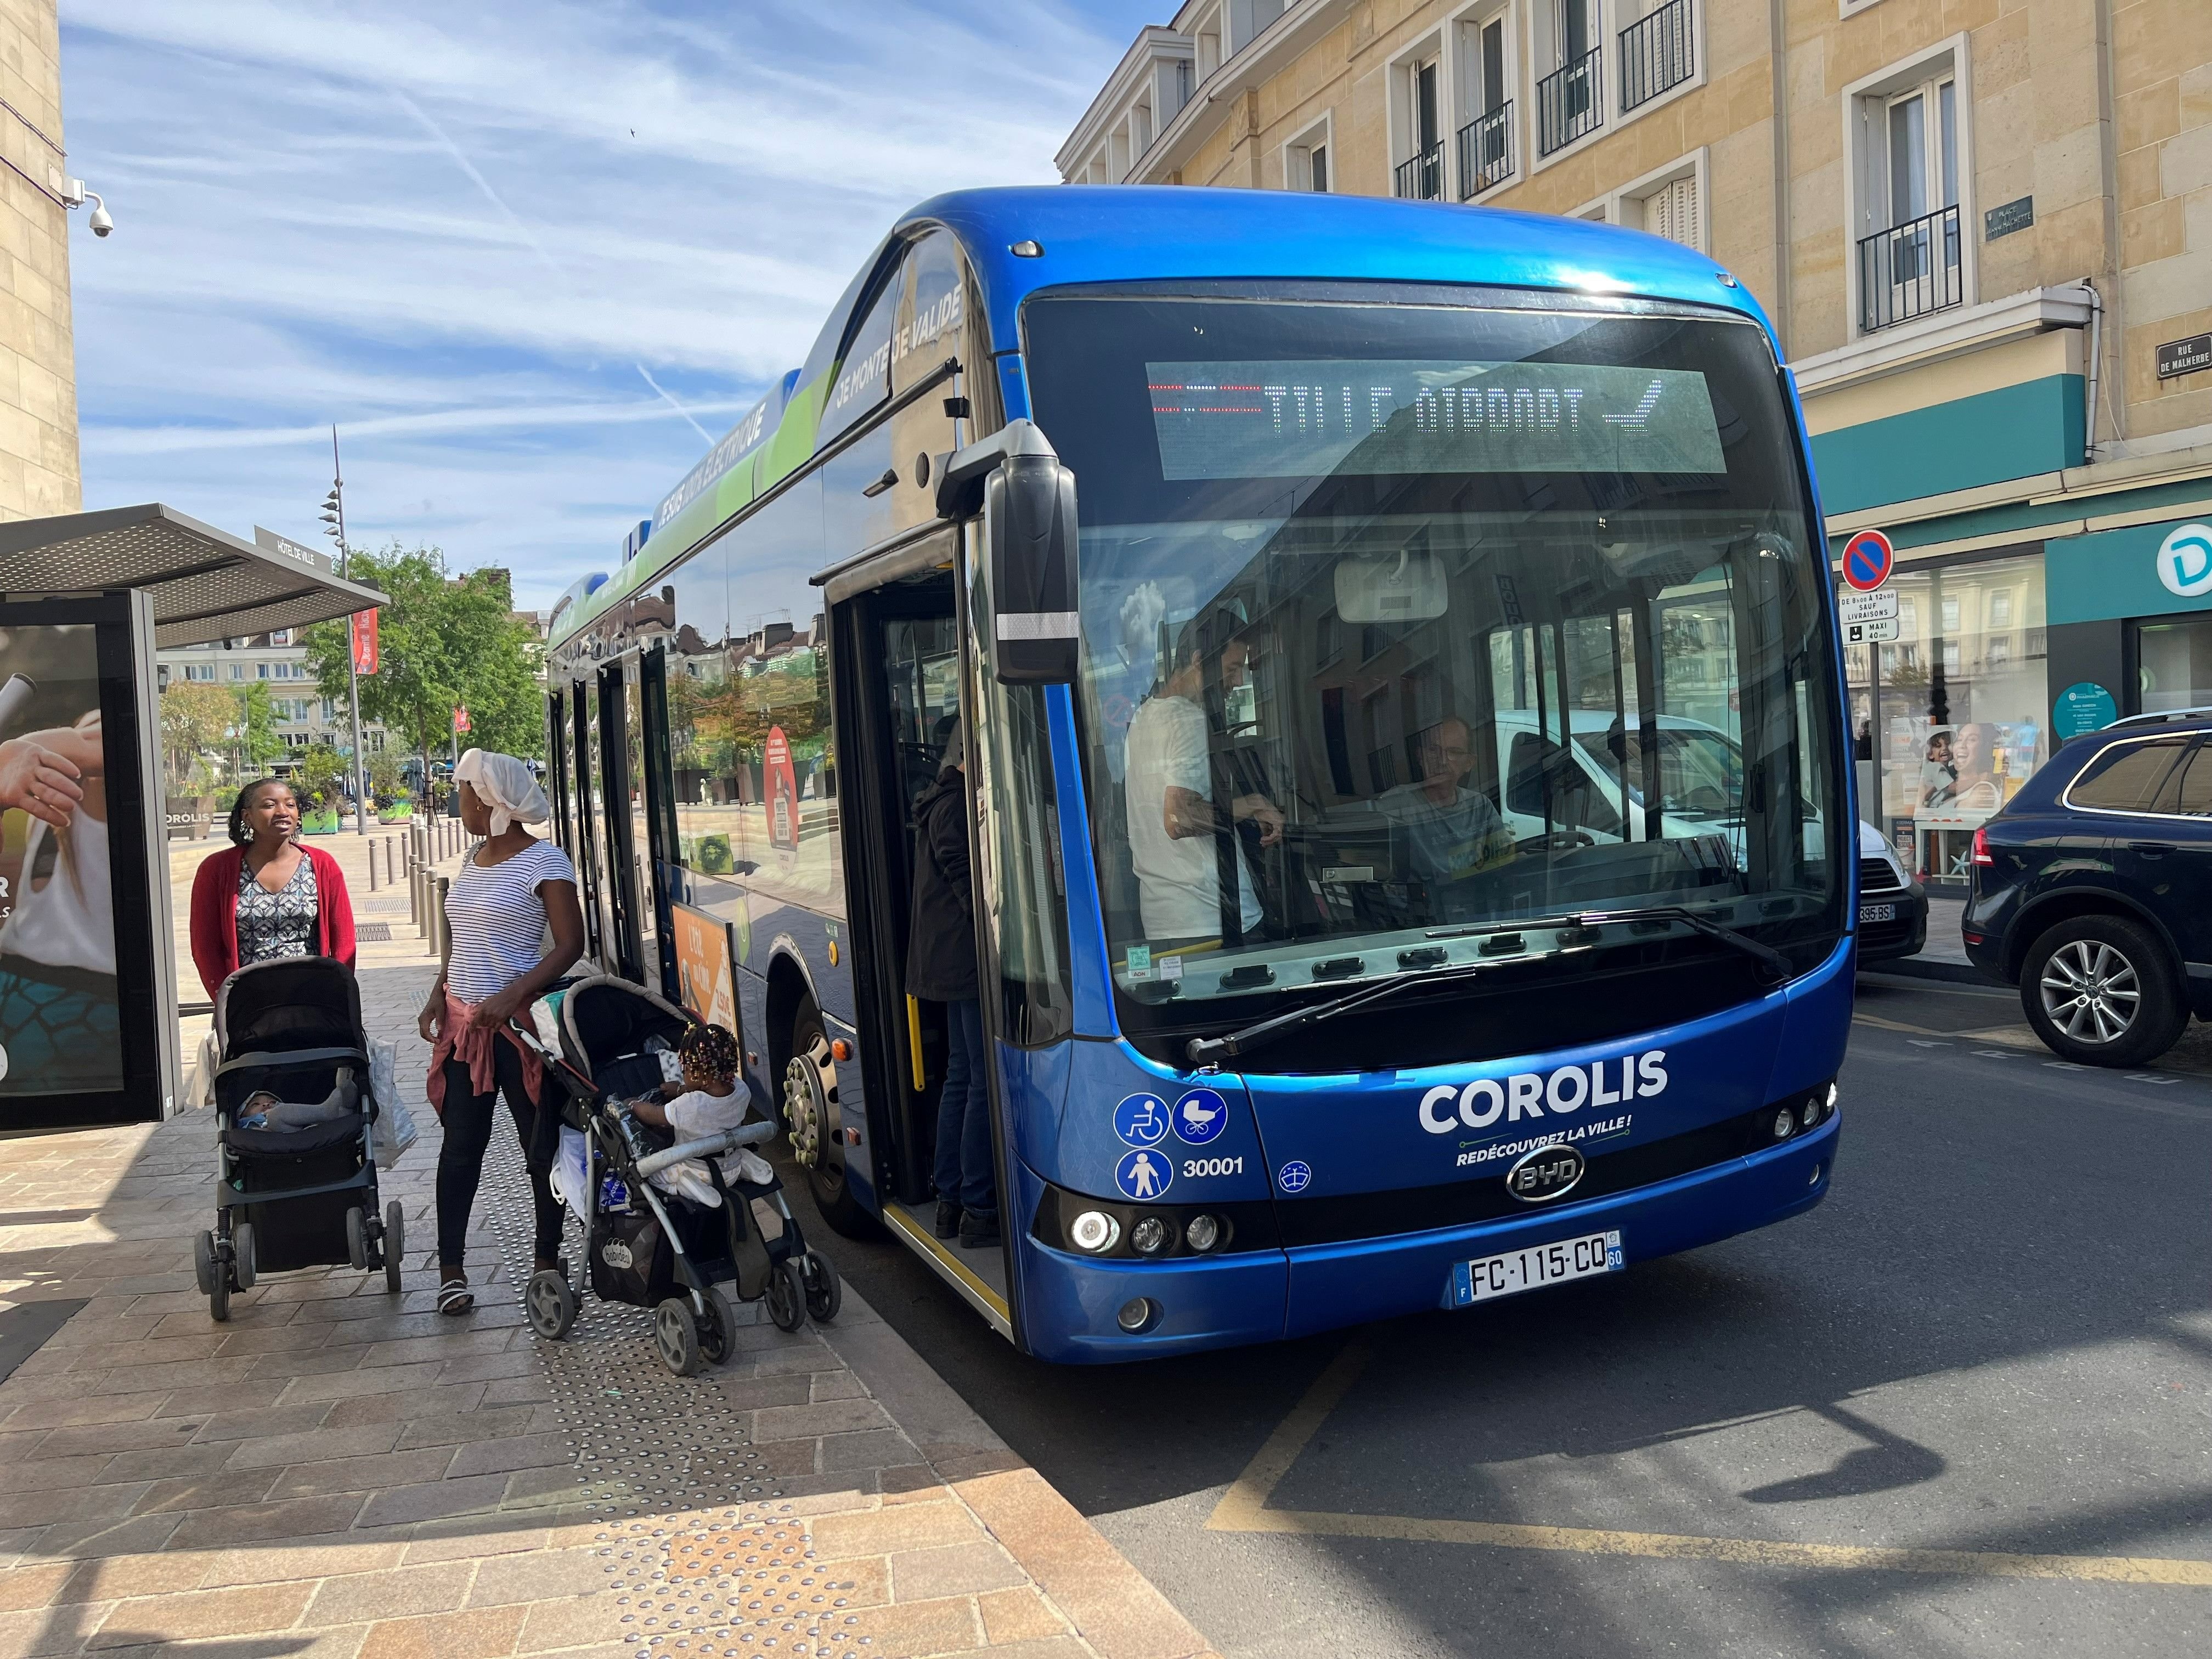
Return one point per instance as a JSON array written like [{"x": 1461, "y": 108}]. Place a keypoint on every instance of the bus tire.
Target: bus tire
[
  {"x": 2100, "y": 990},
  {"x": 805, "y": 1108}
]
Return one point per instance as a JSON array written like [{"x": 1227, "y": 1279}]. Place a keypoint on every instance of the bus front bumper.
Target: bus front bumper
[{"x": 1072, "y": 1301}]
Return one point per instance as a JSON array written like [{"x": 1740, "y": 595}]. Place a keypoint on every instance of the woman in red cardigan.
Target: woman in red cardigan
[{"x": 268, "y": 896}]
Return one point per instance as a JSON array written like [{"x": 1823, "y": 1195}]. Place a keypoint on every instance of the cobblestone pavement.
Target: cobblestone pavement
[{"x": 341, "y": 1472}]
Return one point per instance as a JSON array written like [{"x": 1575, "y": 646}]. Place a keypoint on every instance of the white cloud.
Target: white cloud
[{"x": 432, "y": 225}]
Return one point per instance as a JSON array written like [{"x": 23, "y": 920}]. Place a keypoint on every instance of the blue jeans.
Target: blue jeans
[{"x": 964, "y": 1175}]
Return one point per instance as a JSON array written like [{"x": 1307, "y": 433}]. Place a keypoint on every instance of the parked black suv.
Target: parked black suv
[{"x": 2093, "y": 889}]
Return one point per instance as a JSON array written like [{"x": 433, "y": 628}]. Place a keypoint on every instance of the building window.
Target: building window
[
  {"x": 1421, "y": 176},
  {"x": 1570, "y": 100},
  {"x": 1486, "y": 134},
  {"x": 1657, "y": 53},
  {"x": 238, "y": 670},
  {"x": 1670, "y": 203},
  {"x": 1909, "y": 161},
  {"x": 261, "y": 670},
  {"x": 1306, "y": 158},
  {"x": 280, "y": 636},
  {"x": 202, "y": 671}
]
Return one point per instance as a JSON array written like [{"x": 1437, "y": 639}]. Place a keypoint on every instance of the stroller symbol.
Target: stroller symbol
[
  {"x": 1143, "y": 1175},
  {"x": 1201, "y": 1115}
]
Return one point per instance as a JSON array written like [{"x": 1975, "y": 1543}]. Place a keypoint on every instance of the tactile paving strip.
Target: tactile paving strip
[{"x": 700, "y": 1555}]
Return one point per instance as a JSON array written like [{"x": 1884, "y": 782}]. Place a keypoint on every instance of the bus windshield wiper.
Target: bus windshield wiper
[
  {"x": 1206, "y": 1050},
  {"x": 1203, "y": 1050}
]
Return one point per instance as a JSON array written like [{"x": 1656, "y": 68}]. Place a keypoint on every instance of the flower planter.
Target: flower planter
[
  {"x": 325, "y": 823},
  {"x": 397, "y": 811}
]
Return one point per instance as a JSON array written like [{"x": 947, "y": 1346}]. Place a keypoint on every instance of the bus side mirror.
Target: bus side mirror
[{"x": 1029, "y": 535}]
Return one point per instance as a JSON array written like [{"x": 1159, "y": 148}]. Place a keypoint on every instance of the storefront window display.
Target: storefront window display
[
  {"x": 2173, "y": 664},
  {"x": 1950, "y": 716}
]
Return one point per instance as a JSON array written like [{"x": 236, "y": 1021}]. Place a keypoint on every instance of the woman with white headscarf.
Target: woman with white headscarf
[{"x": 515, "y": 926}]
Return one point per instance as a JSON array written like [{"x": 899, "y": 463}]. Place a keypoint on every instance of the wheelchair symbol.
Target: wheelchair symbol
[{"x": 1141, "y": 1119}]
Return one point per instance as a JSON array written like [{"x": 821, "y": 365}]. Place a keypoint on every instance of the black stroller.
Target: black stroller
[
  {"x": 295, "y": 1178},
  {"x": 646, "y": 1246}
]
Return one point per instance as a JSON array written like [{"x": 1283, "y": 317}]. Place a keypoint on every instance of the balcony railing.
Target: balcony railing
[
  {"x": 1911, "y": 270},
  {"x": 1422, "y": 178},
  {"x": 1570, "y": 102},
  {"x": 1657, "y": 54},
  {"x": 1485, "y": 151}
]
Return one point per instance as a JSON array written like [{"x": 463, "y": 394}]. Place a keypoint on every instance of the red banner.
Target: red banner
[
  {"x": 364, "y": 641},
  {"x": 460, "y": 720}
]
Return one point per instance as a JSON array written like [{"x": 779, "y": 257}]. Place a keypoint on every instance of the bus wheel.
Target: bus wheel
[{"x": 809, "y": 1078}]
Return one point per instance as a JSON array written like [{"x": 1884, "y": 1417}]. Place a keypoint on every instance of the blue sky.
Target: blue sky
[{"x": 524, "y": 254}]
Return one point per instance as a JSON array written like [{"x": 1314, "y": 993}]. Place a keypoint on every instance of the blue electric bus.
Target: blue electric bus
[{"x": 1413, "y": 839}]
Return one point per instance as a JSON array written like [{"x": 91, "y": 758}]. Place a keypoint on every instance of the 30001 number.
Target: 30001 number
[{"x": 1194, "y": 1167}]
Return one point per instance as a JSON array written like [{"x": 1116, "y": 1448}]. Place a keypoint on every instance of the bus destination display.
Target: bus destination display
[{"x": 1280, "y": 420}]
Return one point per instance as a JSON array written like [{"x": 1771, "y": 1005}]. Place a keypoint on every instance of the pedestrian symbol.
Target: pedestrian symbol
[
  {"x": 1201, "y": 1115},
  {"x": 1294, "y": 1177},
  {"x": 1143, "y": 1175},
  {"x": 1141, "y": 1119}
]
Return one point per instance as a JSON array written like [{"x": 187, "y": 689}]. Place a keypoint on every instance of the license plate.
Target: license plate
[
  {"x": 1877, "y": 913},
  {"x": 1539, "y": 1265}
]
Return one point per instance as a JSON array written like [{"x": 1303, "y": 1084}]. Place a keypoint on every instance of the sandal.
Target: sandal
[{"x": 454, "y": 1296}]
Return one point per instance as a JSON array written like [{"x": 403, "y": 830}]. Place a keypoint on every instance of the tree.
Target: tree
[
  {"x": 322, "y": 775},
  {"x": 383, "y": 775},
  {"x": 443, "y": 643},
  {"x": 195, "y": 724},
  {"x": 253, "y": 735}
]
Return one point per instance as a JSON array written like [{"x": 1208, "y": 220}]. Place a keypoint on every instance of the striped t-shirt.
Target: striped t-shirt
[{"x": 498, "y": 920}]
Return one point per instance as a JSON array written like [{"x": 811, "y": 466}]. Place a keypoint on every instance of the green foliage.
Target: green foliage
[
  {"x": 444, "y": 643},
  {"x": 252, "y": 737},
  {"x": 323, "y": 776},
  {"x": 385, "y": 777},
  {"x": 195, "y": 722}
]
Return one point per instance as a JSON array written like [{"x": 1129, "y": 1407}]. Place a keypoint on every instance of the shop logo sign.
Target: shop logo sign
[{"x": 2184, "y": 561}]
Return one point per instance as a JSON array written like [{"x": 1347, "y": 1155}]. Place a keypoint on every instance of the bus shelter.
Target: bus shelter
[{"x": 88, "y": 982}]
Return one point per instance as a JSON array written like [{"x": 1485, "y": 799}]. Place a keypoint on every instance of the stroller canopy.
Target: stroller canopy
[
  {"x": 294, "y": 1002},
  {"x": 603, "y": 1017}
]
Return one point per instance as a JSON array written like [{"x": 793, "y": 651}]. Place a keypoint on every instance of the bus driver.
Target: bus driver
[
  {"x": 1449, "y": 830},
  {"x": 1172, "y": 819}
]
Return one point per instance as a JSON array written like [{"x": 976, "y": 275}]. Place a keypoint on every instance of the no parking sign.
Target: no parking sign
[{"x": 1867, "y": 560}]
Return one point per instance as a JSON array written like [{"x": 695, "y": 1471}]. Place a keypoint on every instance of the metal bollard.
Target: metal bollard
[
  {"x": 444, "y": 925},
  {"x": 414, "y": 898},
  {"x": 372, "y": 867}
]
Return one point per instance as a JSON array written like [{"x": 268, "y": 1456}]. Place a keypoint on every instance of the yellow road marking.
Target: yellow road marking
[{"x": 1244, "y": 1508}]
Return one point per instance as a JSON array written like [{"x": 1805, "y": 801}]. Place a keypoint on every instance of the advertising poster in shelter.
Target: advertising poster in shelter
[
  {"x": 705, "y": 977},
  {"x": 60, "y": 1022}
]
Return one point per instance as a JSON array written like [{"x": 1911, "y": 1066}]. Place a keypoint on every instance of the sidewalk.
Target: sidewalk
[{"x": 340, "y": 1473}]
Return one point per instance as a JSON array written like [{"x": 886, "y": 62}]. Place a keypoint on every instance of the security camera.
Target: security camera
[
  {"x": 74, "y": 195},
  {"x": 100, "y": 224}
]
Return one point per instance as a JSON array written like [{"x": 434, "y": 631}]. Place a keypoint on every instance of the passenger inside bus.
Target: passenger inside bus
[
  {"x": 941, "y": 968},
  {"x": 1174, "y": 824}
]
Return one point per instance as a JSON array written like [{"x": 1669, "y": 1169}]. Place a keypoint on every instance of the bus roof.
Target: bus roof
[{"x": 1131, "y": 233}]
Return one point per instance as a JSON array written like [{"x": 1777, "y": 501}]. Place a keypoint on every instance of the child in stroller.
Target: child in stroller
[
  {"x": 665, "y": 1220},
  {"x": 296, "y": 1170}
]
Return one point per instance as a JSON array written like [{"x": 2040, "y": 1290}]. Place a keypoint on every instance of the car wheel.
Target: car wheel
[{"x": 2101, "y": 990}]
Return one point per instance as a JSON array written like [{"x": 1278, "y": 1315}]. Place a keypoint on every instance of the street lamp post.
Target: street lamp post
[{"x": 334, "y": 526}]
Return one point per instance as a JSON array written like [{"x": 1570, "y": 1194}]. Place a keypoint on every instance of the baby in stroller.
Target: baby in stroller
[{"x": 658, "y": 1167}]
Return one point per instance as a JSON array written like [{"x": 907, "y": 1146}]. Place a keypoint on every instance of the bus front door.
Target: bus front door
[{"x": 897, "y": 647}]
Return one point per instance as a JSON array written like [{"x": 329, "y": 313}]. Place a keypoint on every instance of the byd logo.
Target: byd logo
[{"x": 1445, "y": 1109}]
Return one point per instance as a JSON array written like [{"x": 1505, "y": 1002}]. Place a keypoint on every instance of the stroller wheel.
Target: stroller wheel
[
  {"x": 219, "y": 1295},
  {"x": 203, "y": 1262},
  {"x": 825, "y": 1291},
  {"x": 718, "y": 1330},
  {"x": 676, "y": 1335},
  {"x": 787, "y": 1296},
  {"x": 241, "y": 1256},
  {"x": 356, "y": 1240},
  {"x": 551, "y": 1302},
  {"x": 395, "y": 1244}
]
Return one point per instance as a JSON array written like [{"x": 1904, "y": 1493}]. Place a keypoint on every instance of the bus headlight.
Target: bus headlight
[
  {"x": 1096, "y": 1231},
  {"x": 1785, "y": 1124},
  {"x": 1150, "y": 1236},
  {"x": 1203, "y": 1233},
  {"x": 1136, "y": 1314}
]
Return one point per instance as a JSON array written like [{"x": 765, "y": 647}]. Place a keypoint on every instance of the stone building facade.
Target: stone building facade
[
  {"x": 1983, "y": 229},
  {"x": 38, "y": 374}
]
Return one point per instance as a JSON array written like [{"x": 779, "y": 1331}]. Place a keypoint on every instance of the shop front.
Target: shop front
[{"x": 2003, "y": 653}]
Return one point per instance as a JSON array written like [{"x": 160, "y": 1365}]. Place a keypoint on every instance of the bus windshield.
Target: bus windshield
[{"x": 1404, "y": 621}]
